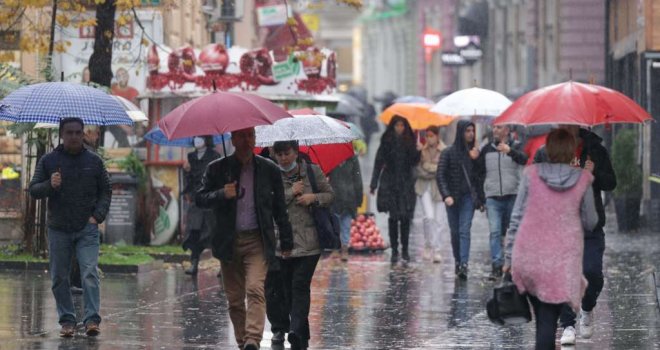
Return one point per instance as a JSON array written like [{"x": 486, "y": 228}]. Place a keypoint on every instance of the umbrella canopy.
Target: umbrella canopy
[
  {"x": 327, "y": 156},
  {"x": 306, "y": 129},
  {"x": 308, "y": 111},
  {"x": 133, "y": 111},
  {"x": 51, "y": 102},
  {"x": 413, "y": 99},
  {"x": 219, "y": 113},
  {"x": 156, "y": 136},
  {"x": 575, "y": 104},
  {"x": 473, "y": 102},
  {"x": 418, "y": 115},
  {"x": 349, "y": 106}
]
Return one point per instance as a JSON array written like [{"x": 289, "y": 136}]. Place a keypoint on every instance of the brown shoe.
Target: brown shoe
[
  {"x": 67, "y": 331},
  {"x": 344, "y": 254},
  {"x": 92, "y": 329}
]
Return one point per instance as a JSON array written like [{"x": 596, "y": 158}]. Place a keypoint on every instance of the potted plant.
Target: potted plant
[{"x": 628, "y": 192}]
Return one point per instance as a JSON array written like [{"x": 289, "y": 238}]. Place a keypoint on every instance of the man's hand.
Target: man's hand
[
  {"x": 372, "y": 191},
  {"x": 504, "y": 148},
  {"x": 56, "y": 180},
  {"x": 298, "y": 188},
  {"x": 449, "y": 201},
  {"x": 186, "y": 165},
  {"x": 306, "y": 199},
  {"x": 92, "y": 220},
  {"x": 589, "y": 166},
  {"x": 286, "y": 254},
  {"x": 474, "y": 153},
  {"x": 230, "y": 190},
  {"x": 506, "y": 269}
]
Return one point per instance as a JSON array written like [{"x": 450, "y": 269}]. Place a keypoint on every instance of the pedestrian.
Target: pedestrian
[
  {"x": 246, "y": 194},
  {"x": 428, "y": 195},
  {"x": 346, "y": 181},
  {"x": 591, "y": 155},
  {"x": 545, "y": 241},
  {"x": 77, "y": 186},
  {"x": 458, "y": 180},
  {"x": 298, "y": 268},
  {"x": 198, "y": 229},
  {"x": 396, "y": 158},
  {"x": 500, "y": 165}
]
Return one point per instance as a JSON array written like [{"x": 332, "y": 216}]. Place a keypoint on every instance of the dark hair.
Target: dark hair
[
  {"x": 390, "y": 134},
  {"x": 65, "y": 121},
  {"x": 283, "y": 146},
  {"x": 208, "y": 141},
  {"x": 434, "y": 129},
  {"x": 560, "y": 146}
]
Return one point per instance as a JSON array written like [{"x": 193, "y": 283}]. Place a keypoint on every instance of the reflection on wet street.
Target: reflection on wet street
[{"x": 365, "y": 304}]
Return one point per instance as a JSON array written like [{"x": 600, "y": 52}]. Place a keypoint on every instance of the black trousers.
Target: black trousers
[
  {"x": 394, "y": 231},
  {"x": 195, "y": 244},
  {"x": 546, "y": 322},
  {"x": 297, "y": 276},
  {"x": 592, "y": 267},
  {"x": 276, "y": 310}
]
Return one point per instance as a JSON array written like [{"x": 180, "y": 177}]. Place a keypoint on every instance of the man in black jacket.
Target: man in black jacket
[
  {"x": 457, "y": 180},
  {"x": 500, "y": 166},
  {"x": 77, "y": 186},
  {"x": 592, "y": 156},
  {"x": 246, "y": 194}
]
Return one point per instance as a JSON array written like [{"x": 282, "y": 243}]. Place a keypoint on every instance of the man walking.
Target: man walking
[
  {"x": 592, "y": 156},
  {"x": 247, "y": 195},
  {"x": 346, "y": 181},
  {"x": 457, "y": 180},
  {"x": 500, "y": 165},
  {"x": 77, "y": 186}
]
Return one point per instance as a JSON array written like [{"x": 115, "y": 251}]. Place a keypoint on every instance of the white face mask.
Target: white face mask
[
  {"x": 289, "y": 168},
  {"x": 198, "y": 142}
]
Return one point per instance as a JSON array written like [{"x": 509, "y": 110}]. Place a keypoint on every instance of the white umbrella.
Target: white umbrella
[
  {"x": 308, "y": 130},
  {"x": 473, "y": 102},
  {"x": 133, "y": 111}
]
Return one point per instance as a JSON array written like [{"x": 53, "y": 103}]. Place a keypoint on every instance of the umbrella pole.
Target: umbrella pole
[{"x": 224, "y": 149}]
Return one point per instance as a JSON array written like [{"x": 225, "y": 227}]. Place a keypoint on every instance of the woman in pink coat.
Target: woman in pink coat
[{"x": 545, "y": 240}]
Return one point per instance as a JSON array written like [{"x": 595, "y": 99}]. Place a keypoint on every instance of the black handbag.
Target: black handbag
[
  {"x": 327, "y": 225},
  {"x": 507, "y": 306}
]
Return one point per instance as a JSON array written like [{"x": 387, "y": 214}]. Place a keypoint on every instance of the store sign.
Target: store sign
[
  {"x": 450, "y": 58},
  {"x": 471, "y": 53},
  {"x": 272, "y": 15},
  {"x": 289, "y": 68},
  {"x": 9, "y": 40}
]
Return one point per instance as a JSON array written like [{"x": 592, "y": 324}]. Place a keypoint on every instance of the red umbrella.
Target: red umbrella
[
  {"x": 219, "y": 113},
  {"x": 575, "y": 104},
  {"x": 328, "y": 156}
]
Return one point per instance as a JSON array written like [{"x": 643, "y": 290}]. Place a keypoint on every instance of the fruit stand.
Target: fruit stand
[{"x": 365, "y": 235}]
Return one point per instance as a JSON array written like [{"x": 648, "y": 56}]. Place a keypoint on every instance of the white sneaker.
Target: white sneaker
[
  {"x": 568, "y": 337},
  {"x": 437, "y": 257},
  {"x": 426, "y": 254},
  {"x": 586, "y": 324}
]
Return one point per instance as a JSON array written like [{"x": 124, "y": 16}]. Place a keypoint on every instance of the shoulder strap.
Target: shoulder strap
[{"x": 312, "y": 178}]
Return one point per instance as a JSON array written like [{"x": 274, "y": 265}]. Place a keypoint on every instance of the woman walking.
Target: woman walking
[
  {"x": 428, "y": 195},
  {"x": 396, "y": 158},
  {"x": 197, "y": 219},
  {"x": 298, "y": 269},
  {"x": 545, "y": 240}
]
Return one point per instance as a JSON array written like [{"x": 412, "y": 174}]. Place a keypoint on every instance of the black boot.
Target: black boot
[
  {"x": 393, "y": 228},
  {"x": 405, "y": 234},
  {"x": 193, "y": 268},
  {"x": 496, "y": 273}
]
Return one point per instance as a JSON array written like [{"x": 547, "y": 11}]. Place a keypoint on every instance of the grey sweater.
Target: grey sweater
[{"x": 559, "y": 177}]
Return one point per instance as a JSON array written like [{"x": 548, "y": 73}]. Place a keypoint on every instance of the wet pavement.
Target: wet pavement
[{"x": 363, "y": 304}]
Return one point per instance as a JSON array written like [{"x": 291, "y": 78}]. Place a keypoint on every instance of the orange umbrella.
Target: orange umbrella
[{"x": 419, "y": 115}]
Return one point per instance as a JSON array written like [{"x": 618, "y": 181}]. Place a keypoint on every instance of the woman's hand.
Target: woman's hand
[
  {"x": 506, "y": 269},
  {"x": 449, "y": 201},
  {"x": 306, "y": 199},
  {"x": 298, "y": 188}
]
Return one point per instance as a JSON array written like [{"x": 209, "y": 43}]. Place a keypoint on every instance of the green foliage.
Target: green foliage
[
  {"x": 114, "y": 258},
  {"x": 132, "y": 165},
  {"x": 628, "y": 173},
  {"x": 136, "y": 249}
]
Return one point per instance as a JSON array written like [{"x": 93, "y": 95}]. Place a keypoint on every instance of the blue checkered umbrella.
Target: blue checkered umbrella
[
  {"x": 156, "y": 136},
  {"x": 51, "y": 102}
]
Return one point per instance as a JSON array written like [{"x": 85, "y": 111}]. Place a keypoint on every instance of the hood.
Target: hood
[
  {"x": 589, "y": 137},
  {"x": 459, "y": 142},
  {"x": 559, "y": 177}
]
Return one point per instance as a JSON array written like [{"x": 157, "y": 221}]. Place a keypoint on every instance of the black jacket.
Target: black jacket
[
  {"x": 346, "y": 182},
  {"x": 451, "y": 178},
  {"x": 604, "y": 177},
  {"x": 85, "y": 189},
  {"x": 269, "y": 203},
  {"x": 193, "y": 179}
]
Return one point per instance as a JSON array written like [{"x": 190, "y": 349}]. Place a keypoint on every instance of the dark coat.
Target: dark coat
[
  {"x": 85, "y": 190},
  {"x": 395, "y": 161},
  {"x": 269, "y": 203},
  {"x": 197, "y": 218},
  {"x": 451, "y": 178},
  {"x": 604, "y": 176},
  {"x": 499, "y": 173},
  {"x": 346, "y": 181}
]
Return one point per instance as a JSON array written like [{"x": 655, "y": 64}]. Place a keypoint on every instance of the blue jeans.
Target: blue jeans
[
  {"x": 499, "y": 214},
  {"x": 345, "y": 228},
  {"x": 460, "y": 217},
  {"x": 61, "y": 246}
]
